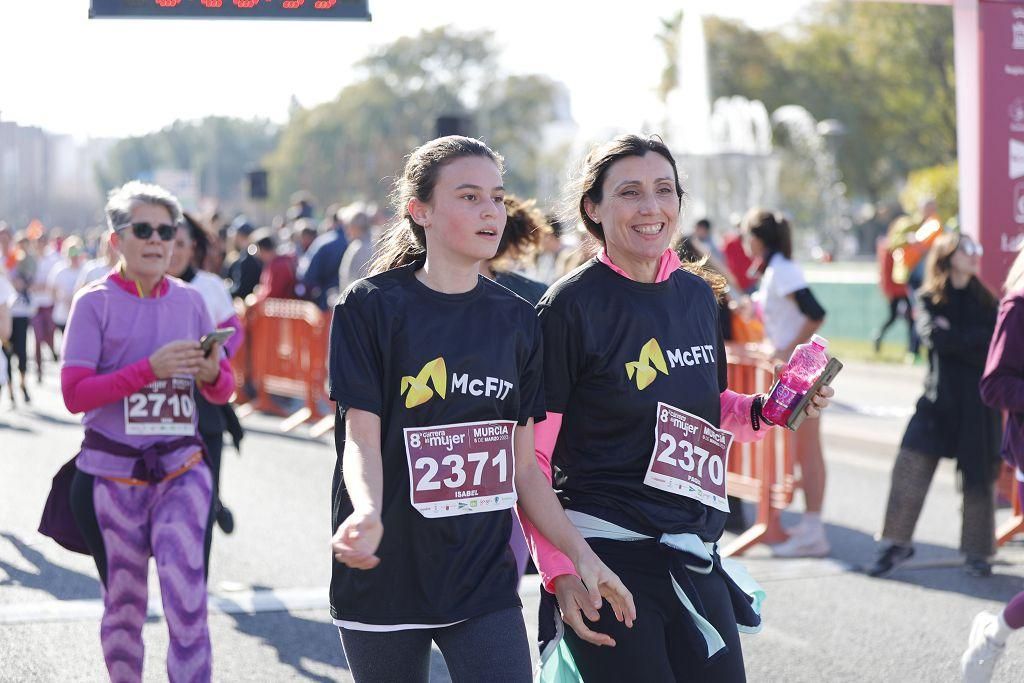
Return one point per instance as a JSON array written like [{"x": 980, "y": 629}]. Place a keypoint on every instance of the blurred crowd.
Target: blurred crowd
[{"x": 308, "y": 254}]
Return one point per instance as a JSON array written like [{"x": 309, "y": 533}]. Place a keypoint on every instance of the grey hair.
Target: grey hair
[{"x": 122, "y": 200}]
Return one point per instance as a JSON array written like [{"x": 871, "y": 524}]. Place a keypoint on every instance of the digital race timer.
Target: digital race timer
[{"x": 231, "y": 9}]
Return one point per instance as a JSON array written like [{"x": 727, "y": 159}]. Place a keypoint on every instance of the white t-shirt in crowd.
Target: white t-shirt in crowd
[
  {"x": 782, "y": 317},
  {"x": 216, "y": 296},
  {"x": 63, "y": 281},
  {"x": 92, "y": 271},
  {"x": 46, "y": 265}
]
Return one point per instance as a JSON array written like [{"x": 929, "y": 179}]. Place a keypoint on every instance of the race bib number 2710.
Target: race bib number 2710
[
  {"x": 461, "y": 469},
  {"x": 690, "y": 458},
  {"x": 165, "y": 407}
]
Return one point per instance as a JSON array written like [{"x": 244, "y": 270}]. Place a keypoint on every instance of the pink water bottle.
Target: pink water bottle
[{"x": 803, "y": 369}]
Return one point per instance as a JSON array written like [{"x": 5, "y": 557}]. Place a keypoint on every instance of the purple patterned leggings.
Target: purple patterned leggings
[{"x": 166, "y": 521}]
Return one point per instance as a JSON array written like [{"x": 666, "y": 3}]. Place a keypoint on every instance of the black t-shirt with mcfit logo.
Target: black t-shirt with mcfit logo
[
  {"x": 614, "y": 348},
  {"x": 420, "y": 358}
]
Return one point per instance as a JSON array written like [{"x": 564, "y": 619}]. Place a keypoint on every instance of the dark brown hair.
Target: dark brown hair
[
  {"x": 938, "y": 268},
  {"x": 589, "y": 185},
  {"x": 772, "y": 229},
  {"x": 525, "y": 227},
  {"x": 404, "y": 241},
  {"x": 200, "y": 239}
]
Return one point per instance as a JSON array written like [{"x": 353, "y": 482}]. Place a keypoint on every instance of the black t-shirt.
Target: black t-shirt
[
  {"x": 387, "y": 334},
  {"x": 598, "y": 326},
  {"x": 531, "y": 290}
]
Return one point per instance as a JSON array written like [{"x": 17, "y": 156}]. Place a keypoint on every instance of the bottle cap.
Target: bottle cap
[{"x": 820, "y": 341}]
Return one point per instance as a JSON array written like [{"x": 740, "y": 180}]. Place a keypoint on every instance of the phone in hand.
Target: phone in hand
[
  {"x": 218, "y": 336},
  {"x": 827, "y": 375}
]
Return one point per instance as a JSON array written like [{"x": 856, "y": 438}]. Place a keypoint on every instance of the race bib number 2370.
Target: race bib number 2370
[
  {"x": 461, "y": 469},
  {"x": 690, "y": 458}
]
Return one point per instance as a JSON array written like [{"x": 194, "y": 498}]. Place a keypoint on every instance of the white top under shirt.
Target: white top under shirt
[
  {"x": 389, "y": 628},
  {"x": 782, "y": 317},
  {"x": 215, "y": 295}
]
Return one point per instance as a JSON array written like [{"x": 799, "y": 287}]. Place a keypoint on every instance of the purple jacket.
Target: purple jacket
[{"x": 1002, "y": 385}]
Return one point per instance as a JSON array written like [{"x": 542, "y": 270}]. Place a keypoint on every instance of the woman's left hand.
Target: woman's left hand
[
  {"x": 209, "y": 369},
  {"x": 819, "y": 401}
]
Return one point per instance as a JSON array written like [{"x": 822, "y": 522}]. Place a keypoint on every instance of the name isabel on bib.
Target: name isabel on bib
[
  {"x": 690, "y": 457},
  {"x": 461, "y": 469}
]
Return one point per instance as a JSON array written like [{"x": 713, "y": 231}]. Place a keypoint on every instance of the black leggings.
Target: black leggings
[
  {"x": 492, "y": 647},
  {"x": 900, "y": 306},
  {"x": 19, "y": 346},
  {"x": 655, "y": 649}
]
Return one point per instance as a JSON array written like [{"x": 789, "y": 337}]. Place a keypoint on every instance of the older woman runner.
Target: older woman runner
[
  {"x": 635, "y": 377},
  {"x": 140, "y": 488}
]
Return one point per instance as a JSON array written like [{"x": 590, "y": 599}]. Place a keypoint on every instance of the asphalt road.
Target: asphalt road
[{"x": 825, "y": 621}]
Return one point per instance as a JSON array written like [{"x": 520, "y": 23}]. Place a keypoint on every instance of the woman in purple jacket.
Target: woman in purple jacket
[{"x": 1002, "y": 387}]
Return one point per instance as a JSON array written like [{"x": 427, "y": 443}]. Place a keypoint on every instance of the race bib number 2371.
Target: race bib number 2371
[{"x": 461, "y": 469}]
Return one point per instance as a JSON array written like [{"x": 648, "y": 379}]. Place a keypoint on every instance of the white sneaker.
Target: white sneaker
[
  {"x": 982, "y": 653},
  {"x": 809, "y": 541},
  {"x": 797, "y": 528}
]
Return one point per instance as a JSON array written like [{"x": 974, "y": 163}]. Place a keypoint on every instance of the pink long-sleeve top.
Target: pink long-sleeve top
[{"x": 551, "y": 562}]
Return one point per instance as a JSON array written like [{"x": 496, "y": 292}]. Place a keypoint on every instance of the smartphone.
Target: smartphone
[
  {"x": 216, "y": 337},
  {"x": 827, "y": 375}
]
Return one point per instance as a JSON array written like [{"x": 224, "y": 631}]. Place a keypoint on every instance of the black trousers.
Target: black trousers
[
  {"x": 655, "y": 649},
  {"x": 18, "y": 347},
  {"x": 492, "y": 647}
]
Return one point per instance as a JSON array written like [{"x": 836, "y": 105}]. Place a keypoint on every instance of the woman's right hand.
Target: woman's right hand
[
  {"x": 182, "y": 357},
  {"x": 356, "y": 541}
]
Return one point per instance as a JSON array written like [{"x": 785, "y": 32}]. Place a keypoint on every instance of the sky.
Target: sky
[{"x": 115, "y": 78}]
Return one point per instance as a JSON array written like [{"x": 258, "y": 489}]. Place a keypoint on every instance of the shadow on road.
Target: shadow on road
[
  {"x": 295, "y": 639},
  {"x": 68, "y": 421},
  {"x": 58, "y": 581},
  {"x": 17, "y": 428},
  {"x": 858, "y": 549}
]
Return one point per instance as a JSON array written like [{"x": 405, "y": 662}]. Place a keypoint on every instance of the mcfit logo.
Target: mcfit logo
[
  {"x": 646, "y": 369},
  {"x": 419, "y": 393}
]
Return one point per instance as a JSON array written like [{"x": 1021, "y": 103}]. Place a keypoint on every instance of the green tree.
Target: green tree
[
  {"x": 351, "y": 147},
  {"x": 218, "y": 150},
  {"x": 884, "y": 70}
]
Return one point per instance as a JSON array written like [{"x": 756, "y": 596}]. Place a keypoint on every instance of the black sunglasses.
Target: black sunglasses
[{"x": 145, "y": 230}]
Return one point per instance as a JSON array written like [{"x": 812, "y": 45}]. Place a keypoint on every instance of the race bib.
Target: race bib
[
  {"x": 690, "y": 457},
  {"x": 461, "y": 469},
  {"x": 165, "y": 407}
]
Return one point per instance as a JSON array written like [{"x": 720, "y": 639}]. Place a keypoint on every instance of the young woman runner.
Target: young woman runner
[
  {"x": 140, "y": 485},
  {"x": 437, "y": 375},
  {"x": 190, "y": 249},
  {"x": 791, "y": 315},
  {"x": 635, "y": 378},
  {"x": 955, "y": 315}
]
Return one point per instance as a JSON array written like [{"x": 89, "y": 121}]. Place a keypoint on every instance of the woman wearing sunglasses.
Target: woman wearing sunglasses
[
  {"x": 140, "y": 484},
  {"x": 955, "y": 317}
]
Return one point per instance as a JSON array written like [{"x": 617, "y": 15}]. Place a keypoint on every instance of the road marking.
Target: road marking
[
  {"x": 240, "y": 602},
  {"x": 223, "y": 602}
]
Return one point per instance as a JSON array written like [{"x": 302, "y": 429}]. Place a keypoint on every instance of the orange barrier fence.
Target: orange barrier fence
[
  {"x": 760, "y": 472},
  {"x": 1015, "y": 525},
  {"x": 285, "y": 354}
]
